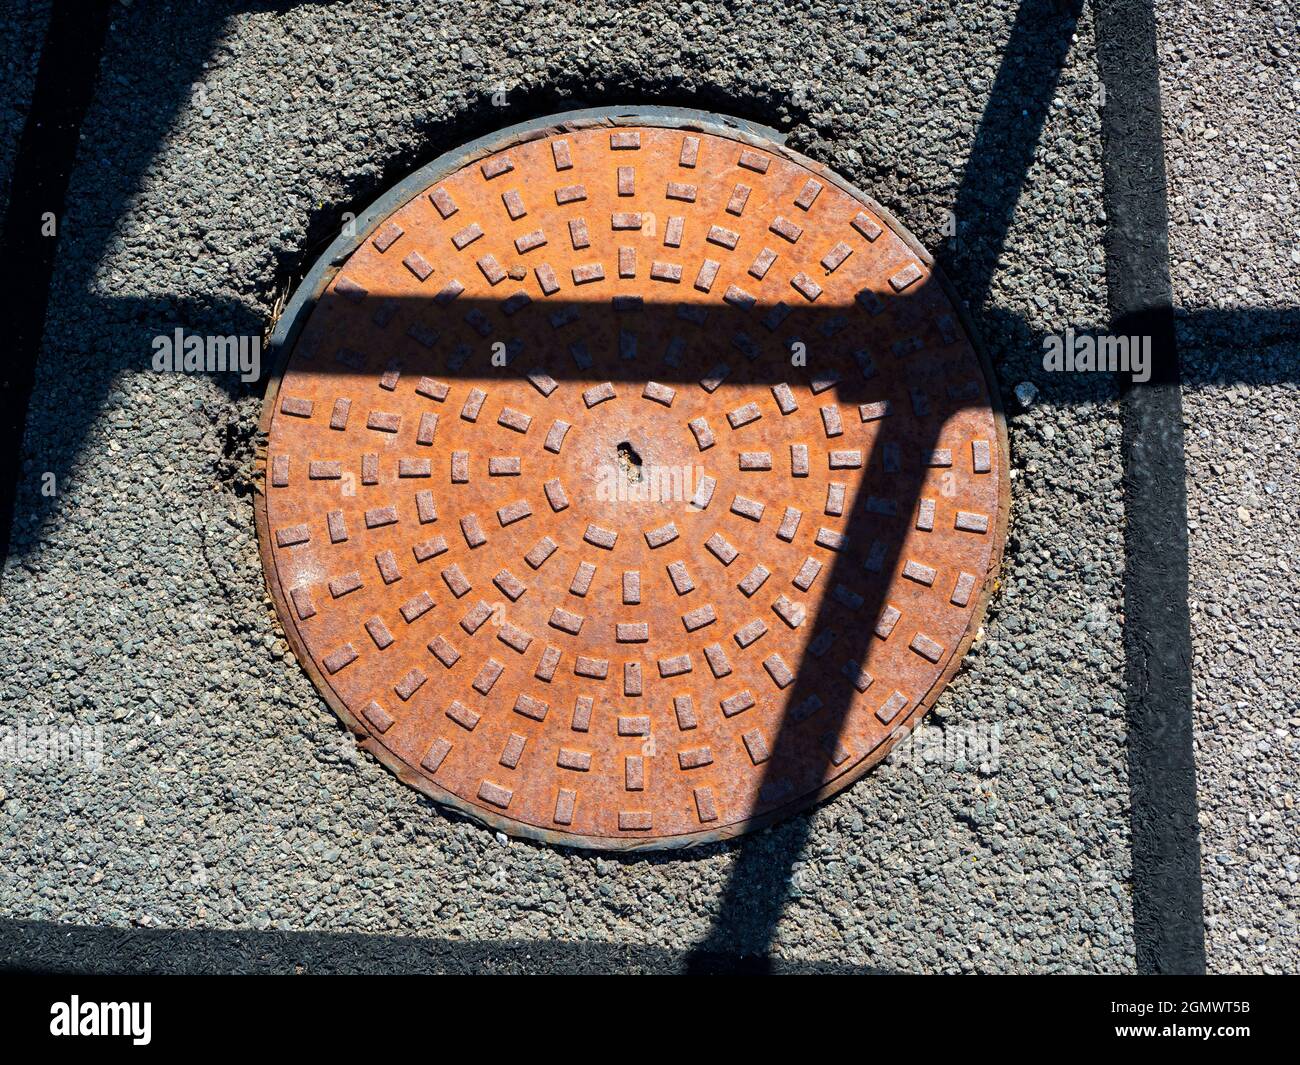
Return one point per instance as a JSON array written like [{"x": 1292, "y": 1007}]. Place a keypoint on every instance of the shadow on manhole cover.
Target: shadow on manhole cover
[{"x": 631, "y": 480}]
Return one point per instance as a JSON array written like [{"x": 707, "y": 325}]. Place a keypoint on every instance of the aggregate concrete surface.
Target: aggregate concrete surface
[
  {"x": 221, "y": 149},
  {"x": 1230, "y": 92},
  {"x": 20, "y": 51}
]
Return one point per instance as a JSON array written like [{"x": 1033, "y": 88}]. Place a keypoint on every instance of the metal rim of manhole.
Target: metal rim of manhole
[{"x": 630, "y": 480}]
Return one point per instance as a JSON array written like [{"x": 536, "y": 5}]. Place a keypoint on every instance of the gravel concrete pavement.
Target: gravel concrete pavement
[
  {"x": 222, "y": 147},
  {"x": 1230, "y": 91}
]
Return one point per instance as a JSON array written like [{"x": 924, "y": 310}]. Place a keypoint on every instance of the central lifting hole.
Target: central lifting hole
[{"x": 629, "y": 461}]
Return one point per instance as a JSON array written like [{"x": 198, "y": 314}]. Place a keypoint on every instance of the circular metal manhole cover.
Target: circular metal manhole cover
[{"x": 631, "y": 481}]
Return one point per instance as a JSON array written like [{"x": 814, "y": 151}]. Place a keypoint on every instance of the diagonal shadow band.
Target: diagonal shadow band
[
  {"x": 46, "y": 156},
  {"x": 1003, "y": 149}
]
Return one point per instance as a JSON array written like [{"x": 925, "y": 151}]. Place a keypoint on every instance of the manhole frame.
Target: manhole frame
[{"x": 307, "y": 294}]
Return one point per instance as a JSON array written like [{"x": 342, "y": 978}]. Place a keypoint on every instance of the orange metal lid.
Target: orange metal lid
[{"x": 630, "y": 485}]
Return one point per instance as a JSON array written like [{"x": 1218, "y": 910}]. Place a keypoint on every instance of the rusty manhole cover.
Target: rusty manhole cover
[{"x": 631, "y": 481}]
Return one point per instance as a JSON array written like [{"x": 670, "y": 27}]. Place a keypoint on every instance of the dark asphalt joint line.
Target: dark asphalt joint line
[
  {"x": 1168, "y": 917},
  {"x": 65, "y": 83}
]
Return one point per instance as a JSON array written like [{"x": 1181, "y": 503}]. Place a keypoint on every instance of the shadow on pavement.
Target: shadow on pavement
[{"x": 999, "y": 163}]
